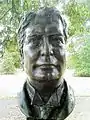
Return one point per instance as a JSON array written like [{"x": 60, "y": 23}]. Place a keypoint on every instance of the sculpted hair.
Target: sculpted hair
[
  {"x": 24, "y": 23},
  {"x": 30, "y": 17}
]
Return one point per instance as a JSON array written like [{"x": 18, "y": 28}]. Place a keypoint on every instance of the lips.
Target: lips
[
  {"x": 47, "y": 67},
  {"x": 46, "y": 72}
]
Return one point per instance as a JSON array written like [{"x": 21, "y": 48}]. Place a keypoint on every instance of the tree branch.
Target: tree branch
[{"x": 5, "y": 14}]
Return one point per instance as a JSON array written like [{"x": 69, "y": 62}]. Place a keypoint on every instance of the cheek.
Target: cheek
[
  {"x": 27, "y": 51},
  {"x": 27, "y": 63},
  {"x": 60, "y": 54},
  {"x": 62, "y": 50},
  {"x": 27, "y": 58},
  {"x": 30, "y": 53},
  {"x": 30, "y": 58}
]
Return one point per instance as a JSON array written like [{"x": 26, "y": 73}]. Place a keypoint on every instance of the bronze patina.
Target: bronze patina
[{"x": 42, "y": 39}]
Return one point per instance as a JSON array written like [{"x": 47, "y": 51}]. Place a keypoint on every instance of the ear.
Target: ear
[
  {"x": 65, "y": 31},
  {"x": 65, "y": 28}
]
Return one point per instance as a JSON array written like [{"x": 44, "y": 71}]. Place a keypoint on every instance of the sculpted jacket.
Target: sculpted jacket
[{"x": 58, "y": 107}]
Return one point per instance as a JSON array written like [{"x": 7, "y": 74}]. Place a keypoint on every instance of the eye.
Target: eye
[
  {"x": 35, "y": 41},
  {"x": 56, "y": 41}
]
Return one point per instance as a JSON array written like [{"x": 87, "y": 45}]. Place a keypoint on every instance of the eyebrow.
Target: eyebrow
[
  {"x": 56, "y": 34},
  {"x": 35, "y": 35}
]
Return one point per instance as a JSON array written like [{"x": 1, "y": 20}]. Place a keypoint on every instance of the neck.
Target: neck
[{"x": 45, "y": 88}]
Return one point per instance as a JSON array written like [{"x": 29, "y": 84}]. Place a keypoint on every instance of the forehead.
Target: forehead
[{"x": 45, "y": 28}]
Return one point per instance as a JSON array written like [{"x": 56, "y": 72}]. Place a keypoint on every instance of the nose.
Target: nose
[{"x": 46, "y": 48}]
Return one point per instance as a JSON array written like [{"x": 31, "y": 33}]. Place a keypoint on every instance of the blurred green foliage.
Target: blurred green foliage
[
  {"x": 80, "y": 60},
  {"x": 78, "y": 44},
  {"x": 7, "y": 64},
  {"x": 78, "y": 14},
  {"x": 11, "y": 58},
  {"x": 11, "y": 12}
]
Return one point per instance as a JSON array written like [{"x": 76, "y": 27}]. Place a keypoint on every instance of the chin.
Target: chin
[
  {"x": 46, "y": 78},
  {"x": 46, "y": 74}
]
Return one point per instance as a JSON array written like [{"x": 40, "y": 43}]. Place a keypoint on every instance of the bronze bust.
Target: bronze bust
[{"x": 42, "y": 38}]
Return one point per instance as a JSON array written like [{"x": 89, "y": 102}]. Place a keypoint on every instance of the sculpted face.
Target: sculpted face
[{"x": 44, "y": 49}]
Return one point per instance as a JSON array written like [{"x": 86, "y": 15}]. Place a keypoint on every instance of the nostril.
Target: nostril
[
  {"x": 51, "y": 53},
  {"x": 42, "y": 54},
  {"x": 47, "y": 54}
]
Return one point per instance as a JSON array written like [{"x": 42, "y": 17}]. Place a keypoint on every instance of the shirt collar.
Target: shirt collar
[
  {"x": 68, "y": 103},
  {"x": 53, "y": 100},
  {"x": 31, "y": 92}
]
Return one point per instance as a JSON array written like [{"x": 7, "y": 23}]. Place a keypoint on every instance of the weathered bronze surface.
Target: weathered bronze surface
[{"x": 42, "y": 40}]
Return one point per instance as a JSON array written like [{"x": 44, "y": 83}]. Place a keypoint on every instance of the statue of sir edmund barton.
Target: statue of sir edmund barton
[{"x": 42, "y": 38}]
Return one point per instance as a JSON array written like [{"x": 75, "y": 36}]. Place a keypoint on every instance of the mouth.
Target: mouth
[
  {"x": 46, "y": 72},
  {"x": 47, "y": 67}
]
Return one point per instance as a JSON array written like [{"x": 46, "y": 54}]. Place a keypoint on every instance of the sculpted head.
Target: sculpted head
[{"x": 42, "y": 39}]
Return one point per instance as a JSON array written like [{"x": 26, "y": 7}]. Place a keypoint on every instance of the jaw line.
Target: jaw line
[
  {"x": 39, "y": 65},
  {"x": 43, "y": 79}
]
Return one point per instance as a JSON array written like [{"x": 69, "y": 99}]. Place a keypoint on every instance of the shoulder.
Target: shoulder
[
  {"x": 23, "y": 100},
  {"x": 70, "y": 99},
  {"x": 69, "y": 102}
]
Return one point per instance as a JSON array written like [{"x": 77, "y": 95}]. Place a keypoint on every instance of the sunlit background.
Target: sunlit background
[
  {"x": 77, "y": 73},
  {"x": 78, "y": 46}
]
